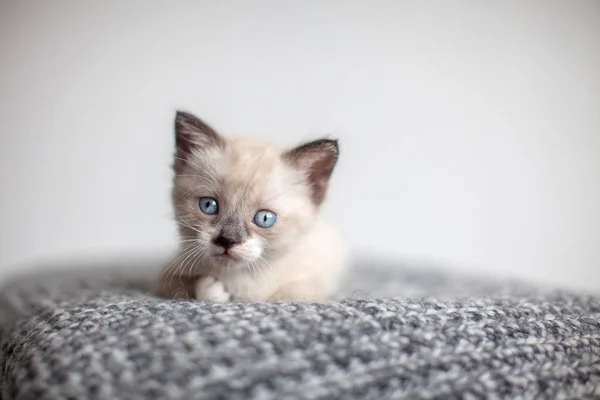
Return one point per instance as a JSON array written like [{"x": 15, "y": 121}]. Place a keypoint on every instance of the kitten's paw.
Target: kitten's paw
[{"x": 209, "y": 288}]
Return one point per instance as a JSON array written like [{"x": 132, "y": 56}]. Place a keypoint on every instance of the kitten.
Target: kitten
[{"x": 248, "y": 215}]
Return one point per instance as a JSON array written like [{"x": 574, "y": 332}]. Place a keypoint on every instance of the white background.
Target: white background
[{"x": 470, "y": 131}]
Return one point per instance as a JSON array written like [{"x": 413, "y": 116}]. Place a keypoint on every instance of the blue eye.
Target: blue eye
[
  {"x": 208, "y": 205},
  {"x": 265, "y": 218}
]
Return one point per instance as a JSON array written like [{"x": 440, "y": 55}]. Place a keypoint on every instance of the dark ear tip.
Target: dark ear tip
[
  {"x": 331, "y": 144},
  {"x": 182, "y": 115},
  {"x": 324, "y": 146}
]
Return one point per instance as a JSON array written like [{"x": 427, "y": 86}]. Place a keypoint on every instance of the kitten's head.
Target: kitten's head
[{"x": 241, "y": 202}]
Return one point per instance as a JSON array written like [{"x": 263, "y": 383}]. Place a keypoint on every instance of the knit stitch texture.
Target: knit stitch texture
[{"x": 396, "y": 333}]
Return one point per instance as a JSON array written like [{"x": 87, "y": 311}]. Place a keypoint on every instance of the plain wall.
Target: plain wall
[{"x": 470, "y": 131}]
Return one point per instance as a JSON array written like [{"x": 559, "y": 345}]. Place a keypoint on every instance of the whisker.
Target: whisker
[
  {"x": 180, "y": 221},
  {"x": 181, "y": 241},
  {"x": 188, "y": 226},
  {"x": 250, "y": 264},
  {"x": 198, "y": 251},
  {"x": 204, "y": 257},
  {"x": 184, "y": 253},
  {"x": 180, "y": 255},
  {"x": 211, "y": 272},
  {"x": 184, "y": 263},
  {"x": 264, "y": 268}
]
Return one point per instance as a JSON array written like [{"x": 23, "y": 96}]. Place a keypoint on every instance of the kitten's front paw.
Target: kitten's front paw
[{"x": 209, "y": 288}]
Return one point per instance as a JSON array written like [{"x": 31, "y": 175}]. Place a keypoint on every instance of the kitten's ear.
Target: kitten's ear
[
  {"x": 191, "y": 133},
  {"x": 316, "y": 159}
]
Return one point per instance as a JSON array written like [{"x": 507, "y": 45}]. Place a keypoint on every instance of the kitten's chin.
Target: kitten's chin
[
  {"x": 229, "y": 261},
  {"x": 225, "y": 259}
]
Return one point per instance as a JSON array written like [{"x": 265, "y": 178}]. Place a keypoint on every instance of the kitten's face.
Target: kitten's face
[{"x": 240, "y": 203}]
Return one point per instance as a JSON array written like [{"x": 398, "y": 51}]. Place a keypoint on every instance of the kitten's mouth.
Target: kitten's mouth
[{"x": 225, "y": 256}]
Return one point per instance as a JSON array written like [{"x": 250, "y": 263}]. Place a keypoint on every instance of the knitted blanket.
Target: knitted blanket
[{"x": 395, "y": 333}]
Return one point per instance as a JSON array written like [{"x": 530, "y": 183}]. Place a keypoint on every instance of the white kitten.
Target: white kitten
[{"x": 248, "y": 218}]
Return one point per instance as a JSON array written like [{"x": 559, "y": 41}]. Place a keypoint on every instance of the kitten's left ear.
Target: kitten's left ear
[
  {"x": 191, "y": 132},
  {"x": 316, "y": 159}
]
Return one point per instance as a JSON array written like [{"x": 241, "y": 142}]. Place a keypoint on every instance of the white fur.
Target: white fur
[
  {"x": 208, "y": 288},
  {"x": 310, "y": 270}
]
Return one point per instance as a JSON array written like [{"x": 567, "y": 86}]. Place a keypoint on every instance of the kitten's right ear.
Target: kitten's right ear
[{"x": 192, "y": 133}]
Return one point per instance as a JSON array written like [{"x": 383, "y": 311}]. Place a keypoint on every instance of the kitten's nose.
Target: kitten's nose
[{"x": 225, "y": 242}]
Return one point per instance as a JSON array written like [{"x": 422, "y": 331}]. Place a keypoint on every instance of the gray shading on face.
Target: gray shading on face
[{"x": 231, "y": 229}]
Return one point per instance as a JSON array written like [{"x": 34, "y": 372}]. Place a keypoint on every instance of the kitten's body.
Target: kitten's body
[{"x": 298, "y": 257}]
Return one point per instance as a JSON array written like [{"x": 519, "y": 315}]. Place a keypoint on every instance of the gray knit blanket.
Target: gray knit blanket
[{"x": 395, "y": 333}]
